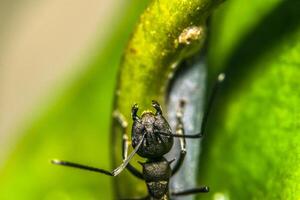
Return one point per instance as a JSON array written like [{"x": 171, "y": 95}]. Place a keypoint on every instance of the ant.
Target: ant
[{"x": 152, "y": 138}]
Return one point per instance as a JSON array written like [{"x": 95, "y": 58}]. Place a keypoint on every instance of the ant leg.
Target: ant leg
[
  {"x": 125, "y": 143},
  {"x": 115, "y": 172},
  {"x": 124, "y": 124},
  {"x": 203, "y": 189},
  {"x": 219, "y": 80},
  {"x": 119, "y": 169},
  {"x": 180, "y": 131}
]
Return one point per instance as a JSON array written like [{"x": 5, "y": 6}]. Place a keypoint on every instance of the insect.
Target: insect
[{"x": 152, "y": 138}]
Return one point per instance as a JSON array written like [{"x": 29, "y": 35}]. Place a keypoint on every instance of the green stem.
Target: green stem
[{"x": 167, "y": 32}]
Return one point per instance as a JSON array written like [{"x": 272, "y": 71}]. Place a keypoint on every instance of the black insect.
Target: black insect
[{"x": 152, "y": 138}]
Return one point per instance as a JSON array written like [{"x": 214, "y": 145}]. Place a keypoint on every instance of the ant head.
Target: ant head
[{"x": 151, "y": 124}]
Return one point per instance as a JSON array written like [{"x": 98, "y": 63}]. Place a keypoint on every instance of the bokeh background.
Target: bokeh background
[
  {"x": 41, "y": 45},
  {"x": 58, "y": 69}
]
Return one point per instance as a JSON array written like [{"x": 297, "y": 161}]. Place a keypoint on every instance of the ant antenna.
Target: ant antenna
[
  {"x": 220, "y": 79},
  {"x": 180, "y": 135},
  {"x": 115, "y": 172}
]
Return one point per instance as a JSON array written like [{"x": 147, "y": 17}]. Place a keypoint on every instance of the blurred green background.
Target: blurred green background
[
  {"x": 59, "y": 70},
  {"x": 59, "y": 62}
]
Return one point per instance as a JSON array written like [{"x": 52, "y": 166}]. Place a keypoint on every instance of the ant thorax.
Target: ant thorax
[{"x": 155, "y": 145}]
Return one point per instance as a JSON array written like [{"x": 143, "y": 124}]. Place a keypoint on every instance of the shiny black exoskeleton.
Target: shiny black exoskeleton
[
  {"x": 157, "y": 170},
  {"x": 154, "y": 144},
  {"x": 157, "y": 174},
  {"x": 152, "y": 138}
]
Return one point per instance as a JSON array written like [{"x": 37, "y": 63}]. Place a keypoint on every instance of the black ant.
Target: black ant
[{"x": 152, "y": 138}]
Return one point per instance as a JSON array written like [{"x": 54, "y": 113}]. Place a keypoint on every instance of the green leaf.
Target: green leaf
[{"x": 252, "y": 147}]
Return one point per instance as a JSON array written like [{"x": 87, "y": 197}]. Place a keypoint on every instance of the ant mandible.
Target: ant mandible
[{"x": 152, "y": 138}]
